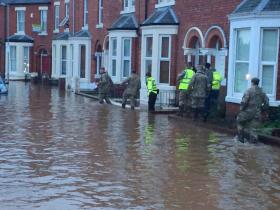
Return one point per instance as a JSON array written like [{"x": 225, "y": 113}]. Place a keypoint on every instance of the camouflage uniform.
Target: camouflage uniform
[
  {"x": 199, "y": 89},
  {"x": 249, "y": 117},
  {"x": 104, "y": 87},
  {"x": 132, "y": 90}
]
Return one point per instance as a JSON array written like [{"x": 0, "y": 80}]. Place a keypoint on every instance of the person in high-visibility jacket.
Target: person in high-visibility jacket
[
  {"x": 212, "y": 103},
  {"x": 152, "y": 91},
  {"x": 183, "y": 81}
]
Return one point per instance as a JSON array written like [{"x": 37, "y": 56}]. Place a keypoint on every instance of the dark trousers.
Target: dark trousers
[
  {"x": 211, "y": 103},
  {"x": 152, "y": 101}
]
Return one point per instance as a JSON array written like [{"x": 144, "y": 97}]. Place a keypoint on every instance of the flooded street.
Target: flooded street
[{"x": 59, "y": 151}]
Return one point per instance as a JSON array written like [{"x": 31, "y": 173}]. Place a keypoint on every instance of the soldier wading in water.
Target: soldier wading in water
[{"x": 253, "y": 103}]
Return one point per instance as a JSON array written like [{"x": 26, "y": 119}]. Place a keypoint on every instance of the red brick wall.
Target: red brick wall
[
  {"x": 33, "y": 16},
  {"x": 2, "y": 40}
]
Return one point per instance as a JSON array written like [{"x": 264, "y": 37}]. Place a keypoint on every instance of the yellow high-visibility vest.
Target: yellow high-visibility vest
[
  {"x": 151, "y": 85},
  {"x": 217, "y": 79},
  {"x": 184, "y": 83}
]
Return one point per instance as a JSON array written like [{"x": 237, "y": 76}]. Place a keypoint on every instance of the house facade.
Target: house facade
[
  {"x": 240, "y": 38},
  {"x": 27, "y": 39}
]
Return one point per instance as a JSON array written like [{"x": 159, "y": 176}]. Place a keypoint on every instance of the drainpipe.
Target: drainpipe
[
  {"x": 73, "y": 18},
  {"x": 146, "y": 9}
]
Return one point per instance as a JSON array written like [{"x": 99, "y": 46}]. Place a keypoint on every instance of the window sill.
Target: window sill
[
  {"x": 43, "y": 34},
  {"x": 159, "y": 5},
  {"x": 85, "y": 28},
  {"x": 56, "y": 31},
  {"x": 127, "y": 11},
  {"x": 66, "y": 30},
  {"x": 100, "y": 25},
  {"x": 20, "y": 33}
]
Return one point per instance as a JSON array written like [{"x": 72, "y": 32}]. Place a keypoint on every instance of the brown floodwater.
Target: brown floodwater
[{"x": 59, "y": 151}]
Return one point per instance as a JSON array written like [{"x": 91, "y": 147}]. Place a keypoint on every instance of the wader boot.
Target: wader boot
[{"x": 181, "y": 111}]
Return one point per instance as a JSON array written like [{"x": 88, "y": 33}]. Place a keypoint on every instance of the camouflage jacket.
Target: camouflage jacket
[
  {"x": 199, "y": 85},
  {"x": 133, "y": 84},
  {"x": 254, "y": 102},
  {"x": 105, "y": 83}
]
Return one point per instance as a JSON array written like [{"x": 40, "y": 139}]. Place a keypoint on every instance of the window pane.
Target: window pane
[
  {"x": 267, "y": 78},
  {"x": 63, "y": 60},
  {"x": 127, "y": 47},
  {"x": 114, "y": 47},
  {"x": 149, "y": 46},
  {"x": 243, "y": 45},
  {"x": 165, "y": 47},
  {"x": 240, "y": 83},
  {"x": 148, "y": 66},
  {"x": 13, "y": 58},
  {"x": 164, "y": 72},
  {"x": 26, "y": 59},
  {"x": 126, "y": 68},
  {"x": 269, "y": 45},
  {"x": 114, "y": 67},
  {"x": 83, "y": 62}
]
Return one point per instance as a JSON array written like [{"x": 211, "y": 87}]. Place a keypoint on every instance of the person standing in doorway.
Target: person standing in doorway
[
  {"x": 104, "y": 86},
  {"x": 253, "y": 103},
  {"x": 132, "y": 89},
  {"x": 152, "y": 91}
]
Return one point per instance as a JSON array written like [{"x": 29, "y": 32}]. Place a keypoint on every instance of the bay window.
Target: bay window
[
  {"x": 126, "y": 57},
  {"x": 148, "y": 54},
  {"x": 63, "y": 60},
  {"x": 241, "y": 59},
  {"x": 269, "y": 58},
  {"x": 164, "y": 59},
  {"x": 114, "y": 56}
]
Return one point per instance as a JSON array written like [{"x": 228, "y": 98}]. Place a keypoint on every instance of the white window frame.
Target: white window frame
[
  {"x": 269, "y": 63},
  {"x": 235, "y": 61},
  {"x": 126, "y": 58},
  {"x": 80, "y": 59},
  {"x": 54, "y": 57},
  {"x": 20, "y": 23},
  {"x": 86, "y": 14},
  {"x": 165, "y": 3},
  {"x": 26, "y": 61},
  {"x": 164, "y": 59},
  {"x": 42, "y": 11},
  {"x": 63, "y": 60},
  {"x": 71, "y": 60},
  {"x": 13, "y": 59},
  {"x": 99, "y": 57},
  {"x": 67, "y": 8},
  {"x": 128, "y": 6},
  {"x": 56, "y": 17},
  {"x": 145, "y": 58},
  {"x": 114, "y": 57},
  {"x": 100, "y": 14}
]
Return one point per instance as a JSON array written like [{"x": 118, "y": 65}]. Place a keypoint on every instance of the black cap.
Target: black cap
[{"x": 255, "y": 81}]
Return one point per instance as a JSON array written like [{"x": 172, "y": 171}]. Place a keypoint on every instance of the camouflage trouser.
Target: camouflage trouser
[
  {"x": 248, "y": 128},
  {"x": 103, "y": 96},
  {"x": 184, "y": 99},
  {"x": 126, "y": 95},
  {"x": 198, "y": 102}
]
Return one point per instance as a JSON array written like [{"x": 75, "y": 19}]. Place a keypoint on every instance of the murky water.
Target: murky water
[{"x": 59, "y": 151}]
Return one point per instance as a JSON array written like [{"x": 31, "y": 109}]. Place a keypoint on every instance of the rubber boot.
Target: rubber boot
[
  {"x": 195, "y": 114},
  {"x": 123, "y": 106},
  {"x": 181, "y": 111}
]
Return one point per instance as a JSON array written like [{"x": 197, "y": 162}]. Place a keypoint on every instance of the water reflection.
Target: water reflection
[{"x": 61, "y": 151}]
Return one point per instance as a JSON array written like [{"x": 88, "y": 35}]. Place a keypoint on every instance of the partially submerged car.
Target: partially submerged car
[{"x": 3, "y": 88}]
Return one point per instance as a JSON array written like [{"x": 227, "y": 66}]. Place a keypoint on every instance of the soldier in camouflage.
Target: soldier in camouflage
[
  {"x": 132, "y": 89},
  {"x": 253, "y": 103},
  {"x": 199, "y": 88},
  {"x": 104, "y": 86}
]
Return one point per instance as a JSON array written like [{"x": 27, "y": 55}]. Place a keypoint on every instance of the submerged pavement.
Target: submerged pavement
[{"x": 63, "y": 151}]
